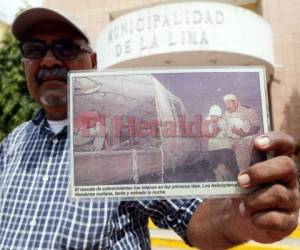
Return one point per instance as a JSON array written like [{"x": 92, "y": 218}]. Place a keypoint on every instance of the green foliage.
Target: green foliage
[{"x": 16, "y": 105}]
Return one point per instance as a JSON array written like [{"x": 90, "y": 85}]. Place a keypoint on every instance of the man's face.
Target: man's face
[
  {"x": 231, "y": 105},
  {"x": 46, "y": 76}
]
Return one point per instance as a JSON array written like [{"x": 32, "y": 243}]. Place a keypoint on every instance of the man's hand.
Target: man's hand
[
  {"x": 271, "y": 211},
  {"x": 267, "y": 214}
]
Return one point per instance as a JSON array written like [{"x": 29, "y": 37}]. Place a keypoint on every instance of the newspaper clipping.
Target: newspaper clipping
[{"x": 164, "y": 133}]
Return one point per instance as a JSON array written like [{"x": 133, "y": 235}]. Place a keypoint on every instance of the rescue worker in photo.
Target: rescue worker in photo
[
  {"x": 242, "y": 128},
  {"x": 221, "y": 157}
]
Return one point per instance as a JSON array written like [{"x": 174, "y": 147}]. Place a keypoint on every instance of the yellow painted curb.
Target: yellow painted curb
[
  {"x": 250, "y": 246},
  {"x": 296, "y": 233},
  {"x": 151, "y": 224},
  {"x": 177, "y": 244},
  {"x": 293, "y": 235}
]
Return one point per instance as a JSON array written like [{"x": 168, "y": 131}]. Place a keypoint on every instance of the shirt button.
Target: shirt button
[
  {"x": 55, "y": 140},
  {"x": 45, "y": 178},
  {"x": 33, "y": 223}
]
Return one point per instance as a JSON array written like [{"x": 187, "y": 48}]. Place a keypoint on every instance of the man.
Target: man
[
  {"x": 36, "y": 212},
  {"x": 242, "y": 127},
  {"x": 242, "y": 121},
  {"x": 215, "y": 128},
  {"x": 222, "y": 159}
]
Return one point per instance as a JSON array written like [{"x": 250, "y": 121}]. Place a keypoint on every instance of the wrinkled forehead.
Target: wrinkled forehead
[{"x": 53, "y": 30}]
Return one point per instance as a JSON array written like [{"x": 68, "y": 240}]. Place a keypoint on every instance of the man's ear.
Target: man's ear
[{"x": 94, "y": 60}]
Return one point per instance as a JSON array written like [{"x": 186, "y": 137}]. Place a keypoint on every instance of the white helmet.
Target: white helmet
[{"x": 215, "y": 110}]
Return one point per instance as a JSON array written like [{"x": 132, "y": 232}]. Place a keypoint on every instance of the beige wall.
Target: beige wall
[
  {"x": 95, "y": 14},
  {"x": 284, "y": 18}
]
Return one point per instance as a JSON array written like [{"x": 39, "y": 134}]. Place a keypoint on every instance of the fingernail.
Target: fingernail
[
  {"x": 244, "y": 180},
  {"x": 263, "y": 141},
  {"x": 242, "y": 208}
]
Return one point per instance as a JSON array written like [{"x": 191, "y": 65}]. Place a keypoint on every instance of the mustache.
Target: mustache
[{"x": 54, "y": 73}]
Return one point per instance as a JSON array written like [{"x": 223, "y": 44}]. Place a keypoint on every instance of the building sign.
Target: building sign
[
  {"x": 165, "y": 21},
  {"x": 179, "y": 27}
]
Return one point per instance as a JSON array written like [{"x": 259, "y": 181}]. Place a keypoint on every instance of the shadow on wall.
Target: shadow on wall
[{"x": 291, "y": 124}]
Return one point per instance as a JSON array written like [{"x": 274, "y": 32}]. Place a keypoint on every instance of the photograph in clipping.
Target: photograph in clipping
[{"x": 164, "y": 134}]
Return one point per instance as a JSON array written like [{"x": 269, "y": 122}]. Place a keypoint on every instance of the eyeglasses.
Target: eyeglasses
[{"x": 63, "y": 50}]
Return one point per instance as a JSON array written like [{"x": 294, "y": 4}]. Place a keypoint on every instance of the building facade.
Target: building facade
[
  {"x": 285, "y": 89},
  {"x": 270, "y": 37}
]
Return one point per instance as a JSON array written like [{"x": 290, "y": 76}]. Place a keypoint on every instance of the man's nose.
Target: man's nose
[{"x": 49, "y": 60}]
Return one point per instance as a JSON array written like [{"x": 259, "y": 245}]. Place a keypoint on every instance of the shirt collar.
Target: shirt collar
[
  {"x": 39, "y": 117},
  {"x": 40, "y": 120}
]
